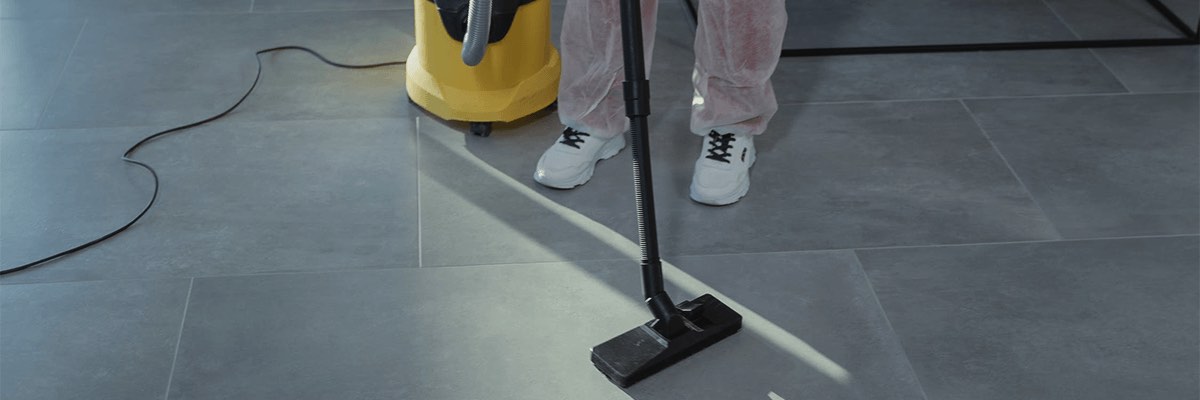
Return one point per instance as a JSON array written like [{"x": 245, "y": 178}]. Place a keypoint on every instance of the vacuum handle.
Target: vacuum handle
[{"x": 637, "y": 108}]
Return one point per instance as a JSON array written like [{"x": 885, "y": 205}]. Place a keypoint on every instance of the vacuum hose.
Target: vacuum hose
[{"x": 479, "y": 21}]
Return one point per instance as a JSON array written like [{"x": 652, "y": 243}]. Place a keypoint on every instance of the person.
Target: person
[{"x": 737, "y": 48}]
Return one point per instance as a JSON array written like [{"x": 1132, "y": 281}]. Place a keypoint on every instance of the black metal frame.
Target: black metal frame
[{"x": 1191, "y": 36}]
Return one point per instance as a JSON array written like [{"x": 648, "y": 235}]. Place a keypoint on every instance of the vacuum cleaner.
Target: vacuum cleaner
[
  {"x": 483, "y": 61},
  {"x": 677, "y": 330},
  {"x": 491, "y": 60}
]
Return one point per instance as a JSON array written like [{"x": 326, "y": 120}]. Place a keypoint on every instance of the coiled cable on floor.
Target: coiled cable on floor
[{"x": 128, "y": 155}]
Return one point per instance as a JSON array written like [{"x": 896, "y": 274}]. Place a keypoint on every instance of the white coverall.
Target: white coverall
[{"x": 737, "y": 48}]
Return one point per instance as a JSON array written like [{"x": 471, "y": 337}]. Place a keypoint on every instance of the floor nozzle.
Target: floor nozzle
[{"x": 650, "y": 347}]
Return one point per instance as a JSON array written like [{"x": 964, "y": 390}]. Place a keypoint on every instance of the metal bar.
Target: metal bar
[
  {"x": 1173, "y": 18},
  {"x": 948, "y": 48},
  {"x": 1191, "y": 37}
]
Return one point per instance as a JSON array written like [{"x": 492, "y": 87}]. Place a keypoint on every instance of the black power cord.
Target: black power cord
[{"x": 128, "y": 156}]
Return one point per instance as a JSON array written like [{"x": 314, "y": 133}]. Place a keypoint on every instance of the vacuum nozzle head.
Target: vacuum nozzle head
[{"x": 643, "y": 350}]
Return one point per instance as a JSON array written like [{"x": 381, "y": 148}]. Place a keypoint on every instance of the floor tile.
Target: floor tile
[
  {"x": 160, "y": 70},
  {"x": 389, "y": 334},
  {"x": 939, "y": 76},
  {"x": 1155, "y": 69},
  {"x": 61, "y": 189},
  {"x": 33, "y": 55},
  {"x": 1118, "y": 19},
  {"x": 236, "y": 198},
  {"x": 92, "y": 8},
  {"x": 96, "y": 340},
  {"x": 819, "y": 24},
  {"x": 1104, "y": 166},
  {"x": 1111, "y": 319},
  {"x": 829, "y": 176}
]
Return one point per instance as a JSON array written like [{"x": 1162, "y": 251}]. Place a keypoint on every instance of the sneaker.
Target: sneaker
[
  {"x": 571, "y": 160},
  {"x": 722, "y": 174}
]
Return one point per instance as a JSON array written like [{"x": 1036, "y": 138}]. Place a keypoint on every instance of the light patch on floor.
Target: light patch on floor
[{"x": 752, "y": 321}]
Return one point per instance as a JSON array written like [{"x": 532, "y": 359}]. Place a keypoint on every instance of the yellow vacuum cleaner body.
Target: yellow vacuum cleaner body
[{"x": 517, "y": 76}]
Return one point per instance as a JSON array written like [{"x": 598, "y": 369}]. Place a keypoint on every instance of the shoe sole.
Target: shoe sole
[
  {"x": 734, "y": 197},
  {"x": 610, "y": 150}
]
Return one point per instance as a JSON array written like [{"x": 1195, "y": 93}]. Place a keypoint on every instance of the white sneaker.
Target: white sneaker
[
  {"x": 571, "y": 160},
  {"x": 722, "y": 174}
]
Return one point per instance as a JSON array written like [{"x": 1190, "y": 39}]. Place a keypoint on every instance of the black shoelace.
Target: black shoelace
[
  {"x": 719, "y": 145},
  {"x": 572, "y": 137}
]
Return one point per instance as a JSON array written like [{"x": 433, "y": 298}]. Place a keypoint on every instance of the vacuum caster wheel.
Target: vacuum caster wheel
[{"x": 482, "y": 129}]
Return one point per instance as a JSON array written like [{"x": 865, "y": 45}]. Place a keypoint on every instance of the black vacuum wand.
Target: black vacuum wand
[{"x": 677, "y": 331}]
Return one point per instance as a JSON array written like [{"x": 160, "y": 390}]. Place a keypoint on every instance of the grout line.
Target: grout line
[
  {"x": 61, "y": 72},
  {"x": 213, "y": 123},
  {"x": 886, "y": 320},
  {"x": 353, "y": 268},
  {"x": 331, "y": 10},
  {"x": 357, "y": 268},
  {"x": 1091, "y": 51},
  {"x": 802, "y": 103},
  {"x": 398, "y": 267},
  {"x": 933, "y": 246},
  {"x": 139, "y": 14},
  {"x": 1012, "y": 171},
  {"x": 334, "y": 10},
  {"x": 179, "y": 337},
  {"x": 1109, "y": 69},
  {"x": 420, "y": 234},
  {"x": 1064, "y": 240},
  {"x": 251, "y": 6},
  {"x": 1062, "y": 20}
]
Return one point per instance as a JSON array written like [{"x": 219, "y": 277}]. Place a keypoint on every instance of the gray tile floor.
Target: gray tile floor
[{"x": 1017, "y": 225}]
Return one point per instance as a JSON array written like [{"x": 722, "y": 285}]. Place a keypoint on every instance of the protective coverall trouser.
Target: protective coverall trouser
[{"x": 737, "y": 49}]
